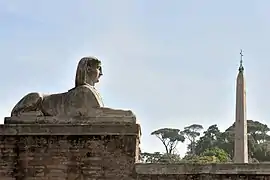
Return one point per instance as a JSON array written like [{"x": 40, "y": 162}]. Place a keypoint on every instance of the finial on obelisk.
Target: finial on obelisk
[{"x": 241, "y": 68}]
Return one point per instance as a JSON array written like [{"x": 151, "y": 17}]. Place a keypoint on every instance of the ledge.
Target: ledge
[
  {"x": 70, "y": 129},
  {"x": 181, "y": 169},
  {"x": 33, "y": 119}
]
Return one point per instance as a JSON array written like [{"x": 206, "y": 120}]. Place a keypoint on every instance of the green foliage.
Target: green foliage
[
  {"x": 150, "y": 157},
  {"x": 219, "y": 154},
  {"x": 157, "y": 157},
  {"x": 212, "y": 145},
  {"x": 191, "y": 133},
  {"x": 169, "y": 137},
  {"x": 211, "y": 138},
  {"x": 170, "y": 158},
  {"x": 199, "y": 159}
]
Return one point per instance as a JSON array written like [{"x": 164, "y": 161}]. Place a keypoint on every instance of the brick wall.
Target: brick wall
[
  {"x": 90, "y": 152},
  {"x": 8, "y": 154},
  {"x": 203, "y": 172},
  {"x": 204, "y": 177},
  {"x": 68, "y": 157}
]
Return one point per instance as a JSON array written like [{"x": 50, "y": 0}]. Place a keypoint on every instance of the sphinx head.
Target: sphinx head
[{"x": 88, "y": 71}]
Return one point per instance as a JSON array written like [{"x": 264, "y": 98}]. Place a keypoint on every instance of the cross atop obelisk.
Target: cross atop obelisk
[
  {"x": 241, "y": 68},
  {"x": 240, "y": 143}
]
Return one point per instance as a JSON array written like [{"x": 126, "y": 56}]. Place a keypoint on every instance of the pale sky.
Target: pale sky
[{"x": 173, "y": 63}]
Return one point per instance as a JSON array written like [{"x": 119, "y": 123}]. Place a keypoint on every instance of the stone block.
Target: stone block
[
  {"x": 31, "y": 118},
  {"x": 202, "y": 171},
  {"x": 98, "y": 150}
]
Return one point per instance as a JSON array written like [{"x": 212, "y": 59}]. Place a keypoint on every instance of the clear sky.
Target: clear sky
[{"x": 173, "y": 63}]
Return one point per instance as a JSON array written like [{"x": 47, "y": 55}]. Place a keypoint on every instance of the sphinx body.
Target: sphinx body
[
  {"x": 82, "y": 100},
  {"x": 75, "y": 102}
]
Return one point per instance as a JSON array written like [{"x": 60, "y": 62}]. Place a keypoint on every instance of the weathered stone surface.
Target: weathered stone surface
[
  {"x": 203, "y": 177},
  {"x": 109, "y": 119},
  {"x": 104, "y": 152},
  {"x": 82, "y": 100},
  {"x": 101, "y": 151},
  {"x": 69, "y": 129},
  {"x": 202, "y": 171},
  {"x": 241, "y": 137},
  {"x": 70, "y": 135},
  {"x": 8, "y": 157},
  {"x": 228, "y": 168}
]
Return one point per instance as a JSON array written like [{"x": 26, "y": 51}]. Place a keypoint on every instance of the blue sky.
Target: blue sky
[{"x": 173, "y": 63}]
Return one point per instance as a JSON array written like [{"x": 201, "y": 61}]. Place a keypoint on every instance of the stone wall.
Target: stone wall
[
  {"x": 68, "y": 152},
  {"x": 203, "y": 172},
  {"x": 8, "y": 154},
  {"x": 98, "y": 151}
]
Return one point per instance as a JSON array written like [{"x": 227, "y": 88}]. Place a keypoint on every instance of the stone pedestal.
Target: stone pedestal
[{"x": 99, "y": 149}]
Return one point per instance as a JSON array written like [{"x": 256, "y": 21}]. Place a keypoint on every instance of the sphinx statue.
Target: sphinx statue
[{"x": 81, "y": 101}]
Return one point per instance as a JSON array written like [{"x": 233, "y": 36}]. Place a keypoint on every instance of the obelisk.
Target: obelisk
[{"x": 240, "y": 143}]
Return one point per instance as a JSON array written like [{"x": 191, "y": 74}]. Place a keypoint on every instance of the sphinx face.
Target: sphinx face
[
  {"x": 94, "y": 73},
  {"x": 99, "y": 74}
]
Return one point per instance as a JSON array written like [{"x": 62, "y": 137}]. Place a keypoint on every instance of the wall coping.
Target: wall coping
[
  {"x": 70, "y": 129},
  {"x": 35, "y": 119},
  {"x": 185, "y": 168}
]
